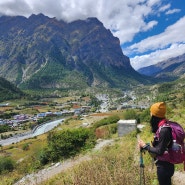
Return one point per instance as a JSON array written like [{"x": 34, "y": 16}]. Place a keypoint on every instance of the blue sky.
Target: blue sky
[{"x": 150, "y": 31}]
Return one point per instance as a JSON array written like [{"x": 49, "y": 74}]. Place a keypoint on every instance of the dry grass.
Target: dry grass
[
  {"x": 25, "y": 160},
  {"x": 115, "y": 165}
]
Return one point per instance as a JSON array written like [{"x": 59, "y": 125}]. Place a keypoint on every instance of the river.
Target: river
[{"x": 38, "y": 131}]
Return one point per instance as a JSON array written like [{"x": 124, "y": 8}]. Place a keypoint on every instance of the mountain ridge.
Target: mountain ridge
[
  {"x": 43, "y": 52},
  {"x": 170, "y": 69}
]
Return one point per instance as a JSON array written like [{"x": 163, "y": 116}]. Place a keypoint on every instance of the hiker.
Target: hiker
[{"x": 165, "y": 170}]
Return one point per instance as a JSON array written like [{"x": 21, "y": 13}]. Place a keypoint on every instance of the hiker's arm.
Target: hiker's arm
[{"x": 164, "y": 140}]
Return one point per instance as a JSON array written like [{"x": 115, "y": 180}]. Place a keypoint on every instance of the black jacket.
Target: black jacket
[{"x": 165, "y": 141}]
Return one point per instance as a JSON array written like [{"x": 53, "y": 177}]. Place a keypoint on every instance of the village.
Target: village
[
  {"x": 25, "y": 122},
  {"x": 41, "y": 112}
]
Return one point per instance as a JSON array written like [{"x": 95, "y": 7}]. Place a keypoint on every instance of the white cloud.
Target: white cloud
[
  {"x": 158, "y": 56},
  {"x": 153, "y": 2},
  {"x": 172, "y": 34},
  {"x": 172, "y": 11},
  {"x": 160, "y": 47},
  {"x": 150, "y": 25},
  {"x": 164, "y": 8},
  {"x": 126, "y": 17},
  {"x": 9, "y": 7}
]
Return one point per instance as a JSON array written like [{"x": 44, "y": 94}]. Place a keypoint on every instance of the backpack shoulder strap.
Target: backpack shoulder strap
[{"x": 162, "y": 124}]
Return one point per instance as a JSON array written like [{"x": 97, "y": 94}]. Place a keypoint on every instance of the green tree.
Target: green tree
[
  {"x": 66, "y": 143},
  {"x": 131, "y": 114},
  {"x": 145, "y": 115},
  {"x": 6, "y": 164},
  {"x": 107, "y": 121}
]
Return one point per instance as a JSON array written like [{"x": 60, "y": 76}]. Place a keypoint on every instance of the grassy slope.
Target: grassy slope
[{"x": 118, "y": 164}]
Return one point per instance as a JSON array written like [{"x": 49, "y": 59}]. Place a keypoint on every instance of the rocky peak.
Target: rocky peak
[{"x": 48, "y": 53}]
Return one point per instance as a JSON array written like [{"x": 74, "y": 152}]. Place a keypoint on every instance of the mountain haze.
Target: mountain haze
[
  {"x": 42, "y": 52},
  {"x": 167, "y": 70}
]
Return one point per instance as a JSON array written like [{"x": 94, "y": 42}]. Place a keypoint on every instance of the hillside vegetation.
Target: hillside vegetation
[
  {"x": 119, "y": 163},
  {"x": 8, "y": 90},
  {"x": 114, "y": 164},
  {"x": 39, "y": 52}
]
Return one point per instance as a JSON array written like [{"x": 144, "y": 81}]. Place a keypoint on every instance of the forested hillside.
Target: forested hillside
[{"x": 8, "y": 90}]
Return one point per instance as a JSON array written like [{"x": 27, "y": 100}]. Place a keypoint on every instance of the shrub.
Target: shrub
[
  {"x": 66, "y": 143},
  {"x": 44, "y": 156},
  {"x": 106, "y": 121},
  {"x": 4, "y": 128},
  {"x": 145, "y": 116},
  {"x": 6, "y": 164},
  {"x": 25, "y": 146},
  {"x": 130, "y": 114},
  {"x": 106, "y": 131}
]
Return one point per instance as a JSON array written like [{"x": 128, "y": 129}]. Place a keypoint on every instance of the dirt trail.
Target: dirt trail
[
  {"x": 179, "y": 178},
  {"x": 45, "y": 174}
]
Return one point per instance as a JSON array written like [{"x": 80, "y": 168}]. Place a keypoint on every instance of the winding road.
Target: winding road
[{"x": 38, "y": 131}]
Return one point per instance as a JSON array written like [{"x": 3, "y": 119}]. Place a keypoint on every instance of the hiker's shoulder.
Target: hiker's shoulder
[{"x": 166, "y": 130}]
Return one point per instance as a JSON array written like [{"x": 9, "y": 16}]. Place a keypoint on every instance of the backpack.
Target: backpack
[{"x": 172, "y": 154}]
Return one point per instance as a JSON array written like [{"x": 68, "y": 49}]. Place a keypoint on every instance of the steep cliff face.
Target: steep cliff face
[{"x": 43, "y": 52}]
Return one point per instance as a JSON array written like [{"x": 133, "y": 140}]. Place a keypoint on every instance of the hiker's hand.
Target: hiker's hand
[{"x": 141, "y": 144}]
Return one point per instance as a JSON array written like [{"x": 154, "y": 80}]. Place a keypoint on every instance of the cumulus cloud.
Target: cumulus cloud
[
  {"x": 172, "y": 11},
  {"x": 172, "y": 34},
  {"x": 159, "y": 47},
  {"x": 158, "y": 56},
  {"x": 124, "y": 18},
  {"x": 14, "y": 7},
  {"x": 164, "y": 8}
]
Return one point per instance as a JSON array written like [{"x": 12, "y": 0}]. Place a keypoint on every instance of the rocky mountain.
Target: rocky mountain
[
  {"x": 170, "y": 69},
  {"x": 42, "y": 52}
]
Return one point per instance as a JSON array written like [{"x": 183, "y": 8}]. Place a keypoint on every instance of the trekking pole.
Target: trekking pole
[{"x": 142, "y": 175}]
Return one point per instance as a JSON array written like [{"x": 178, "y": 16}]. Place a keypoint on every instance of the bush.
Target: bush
[
  {"x": 130, "y": 114},
  {"x": 44, "y": 156},
  {"x": 113, "y": 128},
  {"x": 6, "y": 164},
  {"x": 25, "y": 146},
  {"x": 66, "y": 143},
  {"x": 145, "y": 116},
  {"x": 107, "y": 121},
  {"x": 106, "y": 131},
  {"x": 4, "y": 128}
]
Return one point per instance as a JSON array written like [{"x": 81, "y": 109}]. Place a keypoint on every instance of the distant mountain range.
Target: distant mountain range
[
  {"x": 43, "y": 53},
  {"x": 168, "y": 70}
]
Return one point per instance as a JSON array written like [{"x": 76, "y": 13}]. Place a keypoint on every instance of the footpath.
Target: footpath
[
  {"x": 47, "y": 173},
  {"x": 179, "y": 178}
]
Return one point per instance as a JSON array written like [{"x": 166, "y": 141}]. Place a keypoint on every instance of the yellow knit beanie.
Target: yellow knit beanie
[{"x": 158, "y": 109}]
